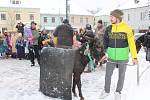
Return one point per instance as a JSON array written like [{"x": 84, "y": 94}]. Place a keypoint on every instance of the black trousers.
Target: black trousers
[{"x": 34, "y": 51}]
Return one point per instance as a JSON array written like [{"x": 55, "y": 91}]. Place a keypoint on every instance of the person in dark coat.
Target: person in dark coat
[
  {"x": 20, "y": 46},
  {"x": 139, "y": 40},
  {"x": 64, "y": 34},
  {"x": 20, "y": 28},
  {"x": 147, "y": 44}
]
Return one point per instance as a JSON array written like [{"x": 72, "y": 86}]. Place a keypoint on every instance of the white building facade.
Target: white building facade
[{"x": 138, "y": 18}]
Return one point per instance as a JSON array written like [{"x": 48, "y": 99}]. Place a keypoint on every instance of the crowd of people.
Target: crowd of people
[
  {"x": 5, "y": 45},
  {"x": 29, "y": 40}
]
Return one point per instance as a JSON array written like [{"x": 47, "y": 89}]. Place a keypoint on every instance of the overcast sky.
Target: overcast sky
[
  {"x": 104, "y": 5},
  {"x": 77, "y": 6}
]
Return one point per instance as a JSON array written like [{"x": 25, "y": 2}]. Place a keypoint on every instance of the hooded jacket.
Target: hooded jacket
[
  {"x": 118, "y": 41},
  {"x": 64, "y": 34}
]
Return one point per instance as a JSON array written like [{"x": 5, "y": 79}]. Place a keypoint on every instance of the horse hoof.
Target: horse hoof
[
  {"x": 75, "y": 95},
  {"x": 82, "y": 98}
]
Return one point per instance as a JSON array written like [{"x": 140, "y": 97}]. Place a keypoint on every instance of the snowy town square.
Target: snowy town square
[
  {"x": 19, "y": 81},
  {"x": 74, "y": 49}
]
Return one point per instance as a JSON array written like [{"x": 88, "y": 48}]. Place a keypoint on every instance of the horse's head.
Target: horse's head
[
  {"x": 98, "y": 45},
  {"x": 97, "y": 50}
]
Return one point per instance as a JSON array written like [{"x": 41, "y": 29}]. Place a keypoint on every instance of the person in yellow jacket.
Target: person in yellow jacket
[{"x": 118, "y": 42}]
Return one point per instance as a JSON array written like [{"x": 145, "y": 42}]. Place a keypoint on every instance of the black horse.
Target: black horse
[{"x": 82, "y": 60}]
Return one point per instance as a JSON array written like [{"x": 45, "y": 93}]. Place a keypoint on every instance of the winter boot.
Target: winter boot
[
  {"x": 103, "y": 94},
  {"x": 117, "y": 96},
  {"x": 33, "y": 64}
]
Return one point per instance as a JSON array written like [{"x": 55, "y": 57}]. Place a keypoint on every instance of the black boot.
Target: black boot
[{"x": 33, "y": 64}]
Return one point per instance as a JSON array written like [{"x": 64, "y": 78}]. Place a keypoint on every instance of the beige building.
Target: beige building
[
  {"x": 50, "y": 21},
  {"x": 79, "y": 21},
  {"x": 10, "y": 16}
]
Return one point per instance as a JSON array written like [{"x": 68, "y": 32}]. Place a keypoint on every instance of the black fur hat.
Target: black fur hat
[
  {"x": 88, "y": 27},
  {"x": 33, "y": 23},
  {"x": 66, "y": 21},
  {"x": 100, "y": 21}
]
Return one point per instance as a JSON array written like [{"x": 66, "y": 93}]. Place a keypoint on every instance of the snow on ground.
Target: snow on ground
[{"x": 19, "y": 81}]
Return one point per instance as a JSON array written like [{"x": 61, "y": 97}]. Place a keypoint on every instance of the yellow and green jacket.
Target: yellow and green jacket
[{"x": 118, "y": 41}]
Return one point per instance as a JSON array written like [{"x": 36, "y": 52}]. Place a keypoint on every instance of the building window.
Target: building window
[
  {"x": 128, "y": 17},
  {"x": 18, "y": 17},
  {"x": 149, "y": 15},
  {"x": 31, "y": 16},
  {"x": 87, "y": 20},
  {"x": 72, "y": 19},
  {"x": 3, "y": 16},
  {"x": 61, "y": 19},
  {"x": 141, "y": 16},
  {"x": 4, "y": 29},
  {"x": 53, "y": 19},
  {"x": 146, "y": 15},
  {"x": 15, "y": 1},
  {"x": 45, "y": 19},
  {"x": 81, "y": 19}
]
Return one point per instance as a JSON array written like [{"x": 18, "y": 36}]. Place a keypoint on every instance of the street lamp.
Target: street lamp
[{"x": 67, "y": 9}]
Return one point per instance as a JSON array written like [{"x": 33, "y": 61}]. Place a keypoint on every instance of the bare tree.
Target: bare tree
[{"x": 11, "y": 18}]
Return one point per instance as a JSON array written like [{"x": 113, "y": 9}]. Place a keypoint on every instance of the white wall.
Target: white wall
[{"x": 135, "y": 17}]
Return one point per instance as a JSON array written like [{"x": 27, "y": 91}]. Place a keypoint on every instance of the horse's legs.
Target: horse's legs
[
  {"x": 74, "y": 86},
  {"x": 79, "y": 86}
]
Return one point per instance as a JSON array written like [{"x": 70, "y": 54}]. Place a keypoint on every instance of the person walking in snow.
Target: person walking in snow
[
  {"x": 33, "y": 44},
  {"x": 118, "y": 41}
]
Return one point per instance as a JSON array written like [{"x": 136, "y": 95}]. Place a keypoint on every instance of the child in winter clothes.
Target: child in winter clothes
[
  {"x": 20, "y": 46},
  {"x": 3, "y": 45}
]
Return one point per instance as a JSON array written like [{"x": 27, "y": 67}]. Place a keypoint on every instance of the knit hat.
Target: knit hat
[{"x": 117, "y": 13}]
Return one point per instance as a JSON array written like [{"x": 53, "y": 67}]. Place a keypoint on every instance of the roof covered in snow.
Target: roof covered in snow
[{"x": 131, "y": 4}]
